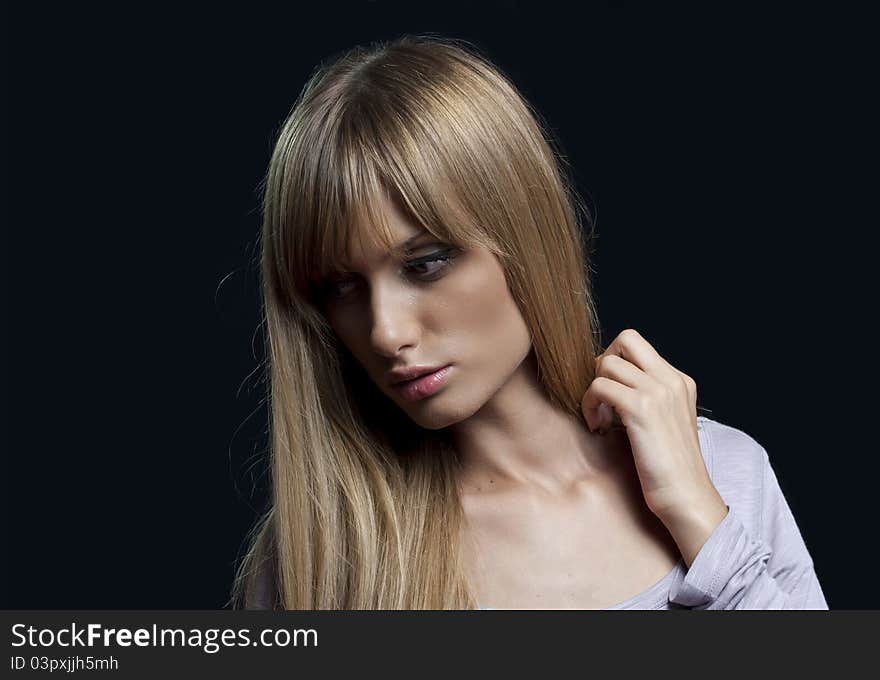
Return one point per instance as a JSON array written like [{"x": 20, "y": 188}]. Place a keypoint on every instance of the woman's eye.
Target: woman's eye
[
  {"x": 427, "y": 268},
  {"x": 333, "y": 289}
]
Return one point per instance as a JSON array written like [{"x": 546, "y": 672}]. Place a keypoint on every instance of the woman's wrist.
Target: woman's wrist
[{"x": 691, "y": 527}]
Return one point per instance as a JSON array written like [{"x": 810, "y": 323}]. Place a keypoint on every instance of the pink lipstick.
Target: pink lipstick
[{"x": 425, "y": 386}]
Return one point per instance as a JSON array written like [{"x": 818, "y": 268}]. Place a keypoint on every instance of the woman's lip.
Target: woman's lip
[{"x": 424, "y": 386}]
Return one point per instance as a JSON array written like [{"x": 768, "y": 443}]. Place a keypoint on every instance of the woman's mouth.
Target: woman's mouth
[{"x": 424, "y": 386}]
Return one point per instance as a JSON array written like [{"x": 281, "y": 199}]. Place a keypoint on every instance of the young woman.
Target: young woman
[{"x": 445, "y": 431}]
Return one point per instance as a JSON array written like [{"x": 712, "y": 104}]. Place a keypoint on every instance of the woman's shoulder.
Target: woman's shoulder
[
  {"x": 730, "y": 449},
  {"x": 736, "y": 463}
]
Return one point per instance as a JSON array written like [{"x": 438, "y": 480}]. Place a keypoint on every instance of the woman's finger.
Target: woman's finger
[
  {"x": 630, "y": 345},
  {"x": 609, "y": 392},
  {"x": 617, "y": 368},
  {"x": 623, "y": 371}
]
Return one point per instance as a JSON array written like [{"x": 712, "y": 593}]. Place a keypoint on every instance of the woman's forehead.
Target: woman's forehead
[
  {"x": 370, "y": 248},
  {"x": 380, "y": 232}
]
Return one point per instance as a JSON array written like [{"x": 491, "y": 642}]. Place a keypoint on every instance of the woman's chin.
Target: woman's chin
[{"x": 435, "y": 414}]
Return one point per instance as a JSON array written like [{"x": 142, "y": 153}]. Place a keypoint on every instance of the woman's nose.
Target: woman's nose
[{"x": 394, "y": 324}]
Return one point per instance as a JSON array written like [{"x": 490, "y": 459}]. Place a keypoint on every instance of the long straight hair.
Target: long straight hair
[{"x": 364, "y": 509}]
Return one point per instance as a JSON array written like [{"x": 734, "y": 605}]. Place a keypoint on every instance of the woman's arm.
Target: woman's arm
[{"x": 736, "y": 570}]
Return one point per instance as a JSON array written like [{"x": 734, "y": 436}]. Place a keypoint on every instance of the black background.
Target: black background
[{"x": 727, "y": 155}]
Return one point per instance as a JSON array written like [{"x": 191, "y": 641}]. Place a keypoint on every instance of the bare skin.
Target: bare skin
[
  {"x": 555, "y": 516},
  {"x": 590, "y": 546}
]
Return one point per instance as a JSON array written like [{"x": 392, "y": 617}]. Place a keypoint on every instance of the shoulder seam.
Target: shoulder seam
[{"x": 710, "y": 445}]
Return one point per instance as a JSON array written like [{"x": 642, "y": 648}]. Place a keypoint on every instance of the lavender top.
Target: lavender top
[{"x": 754, "y": 559}]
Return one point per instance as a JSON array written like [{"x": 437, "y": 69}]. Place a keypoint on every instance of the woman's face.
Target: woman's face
[{"x": 403, "y": 310}]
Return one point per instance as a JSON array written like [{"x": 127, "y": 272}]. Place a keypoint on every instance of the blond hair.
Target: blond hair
[{"x": 364, "y": 511}]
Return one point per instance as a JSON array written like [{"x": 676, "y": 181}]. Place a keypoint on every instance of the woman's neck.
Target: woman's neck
[{"x": 520, "y": 438}]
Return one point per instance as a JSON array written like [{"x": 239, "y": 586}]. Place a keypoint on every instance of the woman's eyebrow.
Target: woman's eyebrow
[{"x": 406, "y": 245}]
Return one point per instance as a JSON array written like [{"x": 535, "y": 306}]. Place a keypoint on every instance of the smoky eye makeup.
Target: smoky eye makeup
[
  {"x": 424, "y": 268},
  {"x": 441, "y": 259}
]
